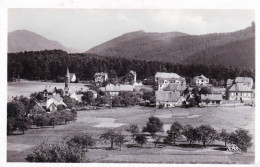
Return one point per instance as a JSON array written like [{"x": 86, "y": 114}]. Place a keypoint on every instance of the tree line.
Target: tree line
[{"x": 52, "y": 64}]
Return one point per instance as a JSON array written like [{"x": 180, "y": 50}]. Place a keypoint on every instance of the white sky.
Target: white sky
[{"x": 82, "y": 29}]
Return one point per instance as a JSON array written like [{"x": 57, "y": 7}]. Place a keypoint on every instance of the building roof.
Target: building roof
[
  {"x": 57, "y": 98},
  {"x": 100, "y": 73},
  {"x": 243, "y": 79},
  {"x": 169, "y": 96},
  {"x": 166, "y": 75},
  {"x": 240, "y": 87},
  {"x": 175, "y": 87},
  {"x": 230, "y": 81},
  {"x": 132, "y": 72},
  {"x": 211, "y": 97},
  {"x": 200, "y": 77},
  {"x": 119, "y": 88}
]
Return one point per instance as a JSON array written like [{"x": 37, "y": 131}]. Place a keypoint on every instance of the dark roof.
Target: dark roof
[
  {"x": 169, "y": 96},
  {"x": 240, "y": 87},
  {"x": 175, "y": 87}
]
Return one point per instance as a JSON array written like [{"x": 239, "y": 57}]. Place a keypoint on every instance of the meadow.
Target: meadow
[{"x": 96, "y": 122}]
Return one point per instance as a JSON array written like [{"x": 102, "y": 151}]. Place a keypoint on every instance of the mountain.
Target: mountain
[
  {"x": 176, "y": 47},
  {"x": 24, "y": 40}
]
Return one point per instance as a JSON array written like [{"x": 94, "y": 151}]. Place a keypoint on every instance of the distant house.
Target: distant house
[
  {"x": 56, "y": 100},
  {"x": 245, "y": 80},
  {"x": 130, "y": 78},
  {"x": 211, "y": 99},
  {"x": 76, "y": 97},
  {"x": 218, "y": 90},
  {"x": 230, "y": 82},
  {"x": 100, "y": 78},
  {"x": 164, "y": 79},
  {"x": 72, "y": 77},
  {"x": 240, "y": 91},
  {"x": 167, "y": 99},
  {"x": 115, "y": 90},
  {"x": 201, "y": 80}
]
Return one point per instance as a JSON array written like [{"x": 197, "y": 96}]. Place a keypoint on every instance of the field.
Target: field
[{"x": 95, "y": 122}]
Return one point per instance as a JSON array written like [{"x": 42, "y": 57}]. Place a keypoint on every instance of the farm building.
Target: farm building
[
  {"x": 211, "y": 99},
  {"x": 201, "y": 80},
  {"x": 240, "y": 91},
  {"x": 115, "y": 90},
  {"x": 245, "y": 80},
  {"x": 167, "y": 99}
]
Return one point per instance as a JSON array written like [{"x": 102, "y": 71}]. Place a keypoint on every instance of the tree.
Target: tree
[
  {"x": 206, "y": 134},
  {"x": 23, "y": 123},
  {"x": 157, "y": 138},
  {"x": 224, "y": 136},
  {"x": 175, "y": 132},
  {"x": 153, "y": 126},
  {"x": 242, "y": 138},
  {"x": 110, "y": 136},
  {"x": 10, "y": 125},
  {"x": 133, "y": 129},
  {"x": 141, "y": 139},
  {"x": 84, "y": 142},
  {"x": 70, "y": 102},
  {"x": 190, "y": 133},
  {"x": 55, "y": 153},
  {"x": 15, "y": 109},
  {"x": 120, "y": 140},
  {"x": 205, "y": 90},
  {"x": 88, "y": 97},
  {"x": 116, "y": 101}
]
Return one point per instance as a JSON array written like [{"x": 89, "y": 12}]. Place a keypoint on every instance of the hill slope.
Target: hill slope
[
  {"x": 24, "y": 40},
  {"x": 176, "y": 47}
]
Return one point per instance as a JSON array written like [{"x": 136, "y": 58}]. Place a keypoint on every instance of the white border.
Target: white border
[{"x": 113, "y": 4}]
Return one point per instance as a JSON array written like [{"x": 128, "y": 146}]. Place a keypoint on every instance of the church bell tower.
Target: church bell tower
[{"x": 67, "y": 83}]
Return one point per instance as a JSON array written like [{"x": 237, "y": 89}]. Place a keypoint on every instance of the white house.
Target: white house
[
  {"x": 73, "y": 77},
  {"x": 245, "y": 80},
  {"x": 115, "y": 90},
  {"x": 240, "y": 91},
  {"x": 164, "y": 79},
  {"x": 100, "y": 78},
  {"x": 201, "y": 80}
]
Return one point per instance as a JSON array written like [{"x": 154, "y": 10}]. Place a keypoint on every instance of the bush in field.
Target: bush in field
[
  {"x": 41, "y": 120},
  {"x": 175, "y": 132},
  {"x": 70, "y": 102},
  {"x": 60, "y": 107},
  {"x": 133, "y": 129},
  {"x": 242, "y": 138},
  {"x": 190, "y": 133},
  {"x": 88, "y": 97},
  {"x": 55, "y": 153},
  {"x": 206, "y": 134},
  {"x": 224, "y": 136},
  {"x": 110, "y": 136},
  {"x": 84, "y": 142},
  {"x": 116, "y": 101},
  {"x": 141, "y": 139}
]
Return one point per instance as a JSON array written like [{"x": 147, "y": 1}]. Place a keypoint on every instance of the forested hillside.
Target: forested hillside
[
  {"x": 178, "y": 47},
  {"x": 53, "y": 63}
]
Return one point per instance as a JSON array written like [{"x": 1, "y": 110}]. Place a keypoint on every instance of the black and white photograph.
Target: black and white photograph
[{"x": 143, "y": 86}]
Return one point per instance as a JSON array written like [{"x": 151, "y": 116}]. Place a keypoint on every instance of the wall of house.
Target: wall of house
[
  {"x": 240, "y": 95},
  {"x": 166, "y": 104}
]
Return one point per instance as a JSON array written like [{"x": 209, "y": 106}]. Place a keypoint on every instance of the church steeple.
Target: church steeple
[{"x": 67, "y": 83}]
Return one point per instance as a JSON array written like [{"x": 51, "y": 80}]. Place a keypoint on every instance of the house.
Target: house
[
  {"x": 100, "y": 78},
  {"x": 56, "y": 100},
  {"x": 201, "y": 80},
  {"x": 130, "y": 78},
  {"x": 245, "y": 80},
  {"x": 218, "y": 90},
  {"x": 115, "y": 90},
  {"x": 167, "y": 99},
  {"x": 164, "y": 79},
  {"x": 230, "y": 82},
  {"x": 240, "y": 91},
  {"x": 76, "y": 97},
  {"x": 72, "y": 77},
  {"x": 211, "y": 99}
]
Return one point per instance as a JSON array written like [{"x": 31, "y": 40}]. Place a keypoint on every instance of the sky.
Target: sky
[{"x": 83, "y": 29}]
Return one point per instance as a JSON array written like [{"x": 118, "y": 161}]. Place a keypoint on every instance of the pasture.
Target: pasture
[{"x": 95, "y": 122}]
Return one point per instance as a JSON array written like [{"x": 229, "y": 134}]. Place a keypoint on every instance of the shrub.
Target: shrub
[
  {"x": 55, "y": 153},
  {"x": 84, "y": 142}
]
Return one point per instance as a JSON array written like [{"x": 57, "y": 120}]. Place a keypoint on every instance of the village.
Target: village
[{"x": 170, "y": 90}]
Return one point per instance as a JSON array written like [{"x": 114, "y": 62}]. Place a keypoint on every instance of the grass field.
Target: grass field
[{"x": 95, "y": 122}]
